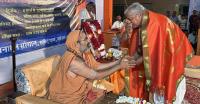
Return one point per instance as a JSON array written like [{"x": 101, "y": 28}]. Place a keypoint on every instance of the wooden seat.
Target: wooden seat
[{"x": 193, "y": 69}]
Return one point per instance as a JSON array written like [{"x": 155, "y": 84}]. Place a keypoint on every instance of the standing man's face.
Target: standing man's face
[
  {"x": 91, "y": 8},
  {"x": 136, "y": 21},
  {"x": 119, "y": 18},
  {"x": 195, "y": 12}
]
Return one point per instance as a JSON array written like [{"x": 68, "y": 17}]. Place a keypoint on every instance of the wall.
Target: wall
[
  {"x": 160, "y": 6},
  {"x": 163, "y": 5},
  {"x": 100, "y": 11},
  {"x": 25, "y": 58},
  {"x": 6, "y": 84}
]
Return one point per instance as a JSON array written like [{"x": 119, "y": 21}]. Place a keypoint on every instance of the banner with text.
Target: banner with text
[{"x": 35, "y": 23}]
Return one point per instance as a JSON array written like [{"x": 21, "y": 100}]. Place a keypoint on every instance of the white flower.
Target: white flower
[{"x": 131, "y": 100}]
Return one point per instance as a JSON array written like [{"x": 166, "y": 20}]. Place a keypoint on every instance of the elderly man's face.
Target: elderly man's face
[
  {"x": 83, "y": 43},
  {"x": 136, "y": 21}
]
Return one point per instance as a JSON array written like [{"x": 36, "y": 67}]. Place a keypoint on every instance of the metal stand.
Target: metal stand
[
  {"x": 11, "y": 97},
  {"x": 13, "y": 45}
]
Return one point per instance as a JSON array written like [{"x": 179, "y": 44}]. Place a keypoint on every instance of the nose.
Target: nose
[{"x": 88, "y": 45}]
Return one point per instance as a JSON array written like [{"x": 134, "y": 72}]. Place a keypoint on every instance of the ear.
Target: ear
[{"x": 77, "y": 43}]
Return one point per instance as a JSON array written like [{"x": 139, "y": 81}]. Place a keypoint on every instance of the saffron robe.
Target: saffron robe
[{"x": 165, "y": 50}]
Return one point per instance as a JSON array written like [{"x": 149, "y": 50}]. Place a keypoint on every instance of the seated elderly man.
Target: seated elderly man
[{"x": 71, "y": 84}]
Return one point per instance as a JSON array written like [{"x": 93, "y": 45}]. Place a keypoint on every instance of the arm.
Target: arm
[
  {"x": 121, "y": 25},
  {"x": 102, "y": 74},
  {"x": 107, "y": 65},
  {"x": 114, "y": 25},
  {"x": 139, "y": 61},
  {"x": 82, "y": 69}
]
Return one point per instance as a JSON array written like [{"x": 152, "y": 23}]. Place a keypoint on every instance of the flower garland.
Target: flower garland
[
  {"x": 131, "y": 100},
  {"x": 94, "y": 33}
]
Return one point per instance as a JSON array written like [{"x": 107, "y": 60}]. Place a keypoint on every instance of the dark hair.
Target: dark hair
[
  {"x": 90, "y": 4},
  {"x": 57, "y": 10},
  {"x": 194, "y": 10},
  {"x": 61, "y": 18}
]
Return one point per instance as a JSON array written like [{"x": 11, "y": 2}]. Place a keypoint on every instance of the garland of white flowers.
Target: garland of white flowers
[{"x": 131, "y": 100}]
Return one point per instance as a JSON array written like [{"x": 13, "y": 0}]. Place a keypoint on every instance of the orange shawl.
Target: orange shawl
[
  {"x": 65, "y": 89},
  {"x": 165, "y": 53}
]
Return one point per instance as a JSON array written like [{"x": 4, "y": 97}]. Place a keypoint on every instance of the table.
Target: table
[{"x": 108, "y": 35}]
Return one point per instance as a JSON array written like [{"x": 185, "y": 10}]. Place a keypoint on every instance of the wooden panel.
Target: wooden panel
[
  {"x": 6, "y": 88},
  {"x": 108, "y": 39}
]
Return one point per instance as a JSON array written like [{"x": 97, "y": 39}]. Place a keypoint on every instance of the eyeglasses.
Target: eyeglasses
[
  {"x": 129, "y": 19},
  {"x": 132, "y": 17}
]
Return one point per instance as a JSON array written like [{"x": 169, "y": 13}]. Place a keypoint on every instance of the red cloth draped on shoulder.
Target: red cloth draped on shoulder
[
  {"x": 137, "y": 84},
  {"x": 165, "y": 53}
]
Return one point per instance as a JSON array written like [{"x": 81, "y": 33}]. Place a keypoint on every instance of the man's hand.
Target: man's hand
[
  {"x": 139, "y": 61},
  {"x": 127, "y": 62}
]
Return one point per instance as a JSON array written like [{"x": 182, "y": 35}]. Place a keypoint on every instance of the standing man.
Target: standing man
[
  {"x": 88, "y": 14},
  {"x": 193, "y": 27},
  {"x": 174, "y": 17},
  {"x": 161, "y": 51},
  {"x": 193, "y": 22},
  {"x": 168, "y": 14},
  {"x": 118, "y": 24}
]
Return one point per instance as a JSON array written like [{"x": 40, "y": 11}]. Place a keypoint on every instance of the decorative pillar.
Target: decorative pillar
[{"x": 108, "y": 9}]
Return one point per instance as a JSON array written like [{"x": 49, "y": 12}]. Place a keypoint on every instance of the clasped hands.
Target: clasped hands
[{"x": 128, "y": 62}]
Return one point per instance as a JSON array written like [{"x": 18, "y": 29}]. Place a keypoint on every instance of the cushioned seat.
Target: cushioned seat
[
  {"x": 193, "y": 73},
  {"x": 38, "y": 76},
  {"x": 29, "y": 99},
  {"x": 193, "y": 68}
]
